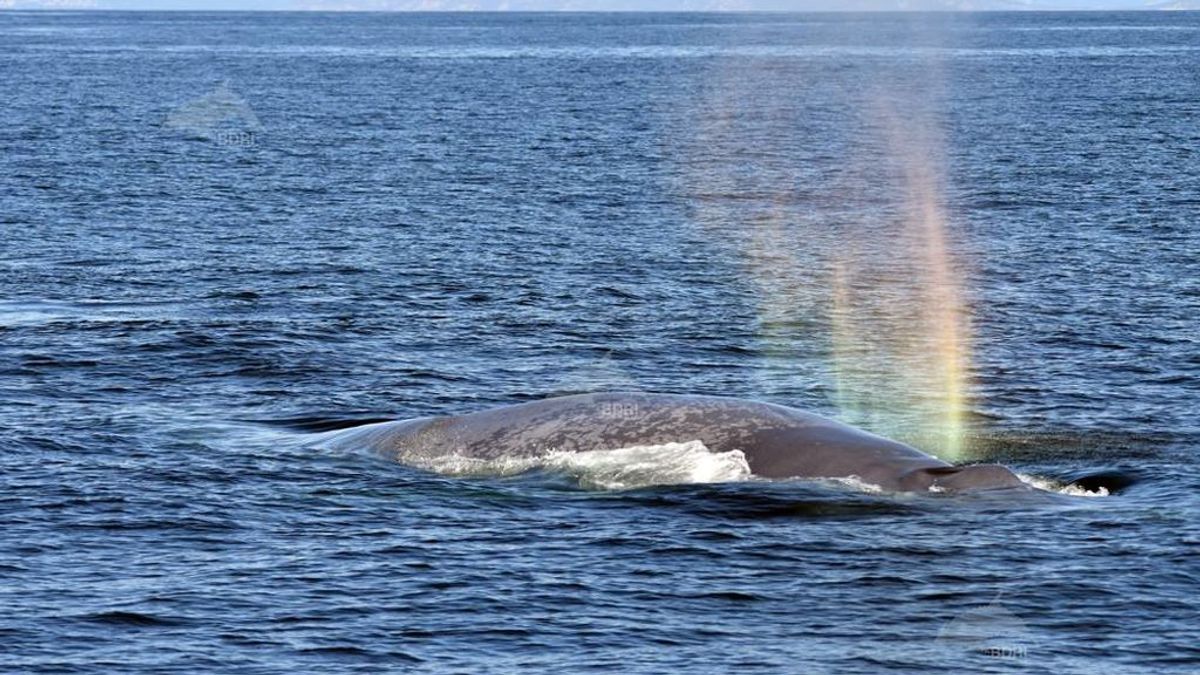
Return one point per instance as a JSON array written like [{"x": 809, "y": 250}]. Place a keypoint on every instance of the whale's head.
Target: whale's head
[{"x": 959, "y": 478}]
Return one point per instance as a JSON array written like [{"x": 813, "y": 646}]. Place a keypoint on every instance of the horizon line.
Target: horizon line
[{"x": 315, "y": 10}]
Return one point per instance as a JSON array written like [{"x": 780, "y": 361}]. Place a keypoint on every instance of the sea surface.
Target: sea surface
[{"x": 224, "y": 235}]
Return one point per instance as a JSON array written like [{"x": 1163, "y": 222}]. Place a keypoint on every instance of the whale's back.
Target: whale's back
[
  {"x": 777, "y": 440},
  {"x": 609, "y": 421}
]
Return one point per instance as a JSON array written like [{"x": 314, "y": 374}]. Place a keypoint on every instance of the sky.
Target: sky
[{"x": 601, "y": 5}]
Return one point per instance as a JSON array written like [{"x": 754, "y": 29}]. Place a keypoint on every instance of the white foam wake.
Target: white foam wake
[
  {"x": 1061, "y": 488},
  {"x": 620, "y": 469}
]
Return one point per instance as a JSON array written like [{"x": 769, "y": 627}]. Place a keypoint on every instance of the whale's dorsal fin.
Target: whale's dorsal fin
[{"x": 966, "y": 477}]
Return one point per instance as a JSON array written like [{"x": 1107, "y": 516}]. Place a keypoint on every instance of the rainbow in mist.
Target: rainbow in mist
[{"x": 862, "y": 262}]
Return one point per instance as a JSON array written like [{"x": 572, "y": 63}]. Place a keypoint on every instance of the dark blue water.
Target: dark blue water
[{"x": 224, "y": 233}]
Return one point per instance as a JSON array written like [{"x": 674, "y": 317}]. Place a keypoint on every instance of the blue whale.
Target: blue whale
[{"x": 778, "y": 441}]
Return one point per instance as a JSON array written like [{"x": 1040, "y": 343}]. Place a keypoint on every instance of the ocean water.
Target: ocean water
[{"x": 226, "y": 234}]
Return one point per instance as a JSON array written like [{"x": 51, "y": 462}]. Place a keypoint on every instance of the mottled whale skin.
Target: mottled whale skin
[{"x": 778, "y": 441}]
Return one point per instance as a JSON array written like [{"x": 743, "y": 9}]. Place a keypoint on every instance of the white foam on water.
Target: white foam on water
[
  {"x": 855, "y": 483},
  {"x": 1050, "y": 485},
  {"x": 620, "y": 469}
]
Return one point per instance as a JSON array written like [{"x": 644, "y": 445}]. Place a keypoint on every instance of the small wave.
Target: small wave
[
  {"x": 620, "y": 469},
  {"x": 758, "y": 500},
  {"x": 315, "y": 424},
  {"x": 128, "y": 618}
]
